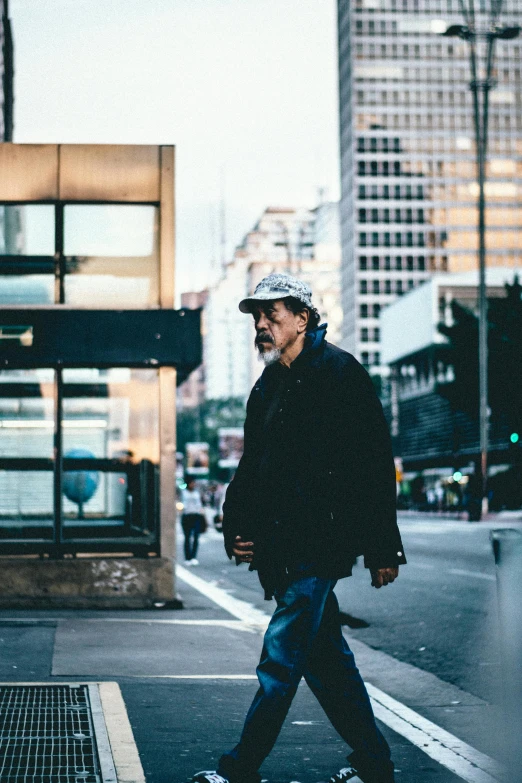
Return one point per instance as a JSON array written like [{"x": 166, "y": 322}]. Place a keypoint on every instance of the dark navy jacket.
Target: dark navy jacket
[{"x": 316, "y": 483}]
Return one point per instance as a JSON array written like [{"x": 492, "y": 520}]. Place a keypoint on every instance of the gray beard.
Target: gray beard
[{"x": 270, "y": 357}]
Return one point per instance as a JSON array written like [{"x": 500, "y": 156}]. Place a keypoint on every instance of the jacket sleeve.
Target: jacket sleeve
[
  {"x": 382, "y": 544},
  {"x": 237, "y": 508}
]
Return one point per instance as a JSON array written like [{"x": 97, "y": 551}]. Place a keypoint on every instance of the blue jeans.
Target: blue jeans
[
  {"x": 304, "y": 639},
  {"x": 192, "y": 525}
]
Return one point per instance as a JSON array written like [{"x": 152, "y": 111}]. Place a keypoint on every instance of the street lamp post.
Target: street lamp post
[{"x": 481, "y": 30}]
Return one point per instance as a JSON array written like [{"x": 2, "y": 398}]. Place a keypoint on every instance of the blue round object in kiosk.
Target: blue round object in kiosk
[{"x": 79, "y": 486}]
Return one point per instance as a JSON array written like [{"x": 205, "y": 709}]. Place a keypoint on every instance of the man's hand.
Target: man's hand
[
  {"x": 243, "y": 550},
  {"x": 384, "y": 576}
]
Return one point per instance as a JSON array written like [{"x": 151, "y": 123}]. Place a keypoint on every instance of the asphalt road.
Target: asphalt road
[{"x": 440, "y": 615}]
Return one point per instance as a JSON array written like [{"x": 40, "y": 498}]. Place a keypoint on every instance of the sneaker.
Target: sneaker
[
  {"x": 187, "y": 563},
  {"x": 194, "y": 562},
  {"x": 212, "y": 776},
  {"x": 344, "y": 774},
  {"x": 208, "y": 776}
]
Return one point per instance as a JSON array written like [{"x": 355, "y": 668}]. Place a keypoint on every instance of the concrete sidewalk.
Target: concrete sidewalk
[{"x": 187, "y": 679}]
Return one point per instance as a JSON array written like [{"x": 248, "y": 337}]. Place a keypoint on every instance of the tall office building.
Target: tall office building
[{"x": 408, "y": 205}]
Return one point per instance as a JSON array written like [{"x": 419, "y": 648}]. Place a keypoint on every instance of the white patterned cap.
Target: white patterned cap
[{"x": 278, "y": 286}]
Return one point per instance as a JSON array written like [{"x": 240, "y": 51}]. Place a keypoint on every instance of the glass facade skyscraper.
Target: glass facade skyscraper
[{"x": 408, "y": 174}]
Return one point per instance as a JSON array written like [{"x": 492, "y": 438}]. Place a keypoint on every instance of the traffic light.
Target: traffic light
[{"x": 514, "y": 437}]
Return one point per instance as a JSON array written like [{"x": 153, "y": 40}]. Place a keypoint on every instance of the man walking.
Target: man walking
[{"x": 314, "y": 489}]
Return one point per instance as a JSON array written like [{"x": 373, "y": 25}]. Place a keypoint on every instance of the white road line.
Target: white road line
[
  {"x": 235, "y": 625},
  {"x": 448, "y": 750},
  {"x": 240, "y": 609},
  {"x": 196, "y": 676},
  {"x": 462, "y": 759},
  {"x": 474, "y": 574},
  {"x": 454, "y": 571}
]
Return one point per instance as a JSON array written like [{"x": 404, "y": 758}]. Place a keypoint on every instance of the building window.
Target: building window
[
  {"x": 376, "y": 335},
  {"x": 398, "y": 263},
  {"x": 376, "y": 358},
  {"x": 375, "y": 263},
  {"x": 376, "y": 310},
  {"x": 363, "y": 262},
  {"x": 363, "y": 311},
  {"x": 409, "y": 263},
  {"x": 421, "y": 264},
  {"x": 375, "y": 287},
  {"x": 362, "y": 192},
  {"x": 409, "y": 239},
  {"x": 365, "y": 358},
  {"x": 362, "y": 239},
  {"x": 364, "y": 335},
  {"x": 411, "y": 284},
  {"x": 362, "y": 216},
  {"x": 387, "y": 239},
  {"x": 375, "y": 239},
  {"x": 363, "y": 287},
  {"x": 387, "y": 287},
  {"x": 399, "y": 287}
]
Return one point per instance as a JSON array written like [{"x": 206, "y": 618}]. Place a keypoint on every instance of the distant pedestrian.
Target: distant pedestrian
[
  {"x": 193, "y": 520},
  {"x": 314, "y": 489}
]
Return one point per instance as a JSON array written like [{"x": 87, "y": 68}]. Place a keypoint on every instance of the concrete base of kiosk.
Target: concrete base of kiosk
[{"x": 87, "y": 582}]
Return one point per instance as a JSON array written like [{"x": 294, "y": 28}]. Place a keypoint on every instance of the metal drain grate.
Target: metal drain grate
[{"x": 47, "y": 734}]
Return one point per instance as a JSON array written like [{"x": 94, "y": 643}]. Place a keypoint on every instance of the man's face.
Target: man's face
[{"x": 277, "y": 328}]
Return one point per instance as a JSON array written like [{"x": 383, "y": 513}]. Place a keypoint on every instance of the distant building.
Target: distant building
[
  {"x": 428, "y": 436},
  {"x": 7, "y": 74},
  {"x": 191, "y": 393},
  {"x": 225, "y": 350},
  {"x": 408, "y": 204},
  {"x": 11, "y": 218},
  {"x": 301, "y": 242}
]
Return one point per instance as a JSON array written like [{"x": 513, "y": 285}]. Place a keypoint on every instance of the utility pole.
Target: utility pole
[{"x": 481, "y": 30}]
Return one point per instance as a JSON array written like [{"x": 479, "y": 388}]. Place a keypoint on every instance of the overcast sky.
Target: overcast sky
[{"x": 245, "y": 89}]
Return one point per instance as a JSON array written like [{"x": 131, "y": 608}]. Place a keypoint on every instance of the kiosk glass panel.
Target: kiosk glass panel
[
  {"x": 27, "y": 422},
  {"x": 111, "y": 428},
  {"x": 112, "y": 256},
  {"x": 26, "y": 254}
]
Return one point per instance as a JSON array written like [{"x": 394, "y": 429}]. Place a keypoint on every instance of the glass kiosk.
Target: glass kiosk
[{"x": 90, "y": 351}]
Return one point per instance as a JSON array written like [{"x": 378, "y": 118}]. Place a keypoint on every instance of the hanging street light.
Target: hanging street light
[{"x": 481, "y": 30}]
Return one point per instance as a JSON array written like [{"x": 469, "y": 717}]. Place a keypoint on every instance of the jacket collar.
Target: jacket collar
[{"x": 312, "y": 352}]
